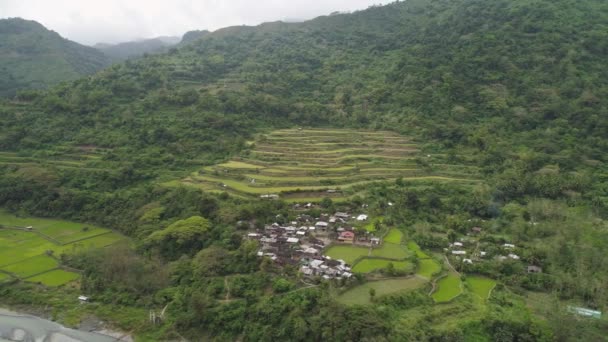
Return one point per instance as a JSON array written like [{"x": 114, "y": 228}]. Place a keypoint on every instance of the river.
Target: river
[{"x": 20, "y": 327}]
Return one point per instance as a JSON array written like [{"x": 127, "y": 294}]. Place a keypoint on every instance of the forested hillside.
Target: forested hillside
[
  {"x": 126, "y": 50},
  {"x": 512, "y": 92},
  {"x": 32, "y": 57}
]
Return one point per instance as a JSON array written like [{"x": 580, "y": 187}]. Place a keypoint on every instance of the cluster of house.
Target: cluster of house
[
  {"x": 508, "y": 252},
  {"x": 325, "y": 267},
  {"x": 301, "y": 243}
]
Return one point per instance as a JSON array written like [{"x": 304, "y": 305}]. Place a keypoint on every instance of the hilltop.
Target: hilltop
[
  {"x": 32, "y": 57},
  {"x": 126, "y": 50}
]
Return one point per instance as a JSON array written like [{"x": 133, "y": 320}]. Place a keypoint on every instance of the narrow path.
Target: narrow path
[
  {"x": 227, "y": 287},
  {"x": 450, "y": 265}
]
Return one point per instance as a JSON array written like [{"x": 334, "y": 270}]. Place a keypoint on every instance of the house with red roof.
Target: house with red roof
[{"x": 346, "y": 236}]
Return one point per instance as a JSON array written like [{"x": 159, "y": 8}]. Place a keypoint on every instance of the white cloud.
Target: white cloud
[{"x": 92, "y": 21}]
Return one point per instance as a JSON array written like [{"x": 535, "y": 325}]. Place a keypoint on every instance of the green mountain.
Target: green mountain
[
  {"x": 435, "y": 69},
  {"x": 509, "y": 93},
  {"x": 191, "y": 36},
  {"x": 32, "y": 57},
  {"x": 126, "y": 50}
]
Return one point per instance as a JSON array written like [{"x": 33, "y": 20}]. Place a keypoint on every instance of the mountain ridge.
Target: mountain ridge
[
  {"x": 32, "y": 56},
  {"x": 137, "y": 48}
]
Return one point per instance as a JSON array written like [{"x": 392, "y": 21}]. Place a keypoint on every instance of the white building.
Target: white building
[{"x": 362, "y": 217}]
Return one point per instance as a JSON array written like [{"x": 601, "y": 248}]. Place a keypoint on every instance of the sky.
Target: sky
[{"x": 112, "y": 21}]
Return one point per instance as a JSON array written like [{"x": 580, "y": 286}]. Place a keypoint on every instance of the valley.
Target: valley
[{"x": 422, "y": 170}]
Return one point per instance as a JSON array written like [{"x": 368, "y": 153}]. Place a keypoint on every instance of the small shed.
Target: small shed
[
  {"x": 534, "y": 269},
  {"x": 585, "y": 312},
  {"x": 362, "y": 217}
]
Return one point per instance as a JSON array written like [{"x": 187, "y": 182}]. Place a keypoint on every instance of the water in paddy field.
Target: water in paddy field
[{"x": 16, "y": 327}]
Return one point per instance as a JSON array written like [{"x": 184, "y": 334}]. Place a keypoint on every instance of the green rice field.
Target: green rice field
[
  {"x": 32, "y": 266},
  {"x": 59, "y": 230},
  {"x": 359, "y": 295},
  {"x": 448, "y": 288},
  {"x": 368, "y": 265},
  {"x": 412, "y": 246},
  {"x": 54, "y": 278},
  {"x": 310, "y": 164},
  {"x": 480, "y": 286},
  {"x": 347, "y": 253},
  {"x": 394, "y": 236},
  {"x": 31, "y": 254},
  {"x": 428, "y": 268},
  {"x": 391, "y": 250},
  {"x": 350, "y": 253}
]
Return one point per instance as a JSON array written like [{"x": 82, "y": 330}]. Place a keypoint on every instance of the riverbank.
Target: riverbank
[{"x": 19, "y": 326}]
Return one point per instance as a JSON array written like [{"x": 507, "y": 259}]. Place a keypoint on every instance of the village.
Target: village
[
  {"x": 301, "y": 242},
  {"x": 474, "y": 248}
]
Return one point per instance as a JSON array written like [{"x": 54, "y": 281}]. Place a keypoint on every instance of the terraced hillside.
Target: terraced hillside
[{"x": 307, "y": 165}]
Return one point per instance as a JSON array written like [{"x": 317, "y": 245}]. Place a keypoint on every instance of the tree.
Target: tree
[
  {"x": 390, "y": 269},
  {"x": 212, "y": 261},
  {"x": 182, "y": 237},
  {"x": 452, "y": 235},
  {"x": 326, "y": 203}
]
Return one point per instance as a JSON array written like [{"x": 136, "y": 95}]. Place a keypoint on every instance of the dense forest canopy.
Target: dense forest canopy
[
  {"x": 32, "y": 57},
  {"x": 515, "y": 87}
]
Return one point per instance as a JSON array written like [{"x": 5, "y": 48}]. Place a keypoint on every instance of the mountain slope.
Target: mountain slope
[
  {"x": 432, "y": 68},
  {"x": 515, "y": 89},
  {"x": 32, "y": 57},
  {"x": 191, "y": 36},
  {"x": 126, "y": 50}
]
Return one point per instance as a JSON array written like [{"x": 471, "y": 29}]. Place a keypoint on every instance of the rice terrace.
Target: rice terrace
[
  {"x": 30, "y": 247},
  {"x": 310, "y": 164}
]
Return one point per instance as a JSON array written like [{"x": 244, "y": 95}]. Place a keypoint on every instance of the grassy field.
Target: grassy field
[
  {"x": 60, "y": 230},
  {"x": 350, "y": 253},
  {"x": 394, "y": 236},
  {"x": 480, "y": 286},
  {"x": 32, "y": 266},
  {"x": 359, "y": 295},
  {"x": 54, "y": 278},
  {"x": 391, "y": 250},
  {"x": 428, "y": 267},
  {"x": 448, "y": 288},
  {"x": 368, "y": 265},
  {"x": 412, "y": 246},
  {"x": 347, "y": 253},
  {"x": 24, "y": 253},
  {"x": 289, "y": 161}
]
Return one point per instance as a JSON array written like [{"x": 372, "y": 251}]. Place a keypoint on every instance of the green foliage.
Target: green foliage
[
  {"x": 127, "y": 50},
  {"x": 281, "y": 285},
  {"x": 182, "y": 237},
  {"x": 33, "y": 57},
  {"x": 510, "y": 92}
]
